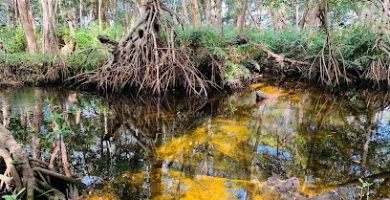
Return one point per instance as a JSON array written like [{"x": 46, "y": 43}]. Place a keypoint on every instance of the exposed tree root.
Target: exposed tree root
[
  {"x": 331, "y": 72},
  {"x": 148, "y": 60},
  {"x": 22, "y": 172}
]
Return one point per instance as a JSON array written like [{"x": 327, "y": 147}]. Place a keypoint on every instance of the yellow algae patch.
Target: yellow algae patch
[
  {"x": 294, "y": 97},
  {"x": 102, "y": 196},
  {"x": 256, "y": 85},
  {"x": 273, "y": 91},
  {"x": 225, "y": 140},
  {"x": 223, "y": 121},
  {"x": 208, "y": 187}
]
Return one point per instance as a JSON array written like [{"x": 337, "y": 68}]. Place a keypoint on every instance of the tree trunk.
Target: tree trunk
[
  {"x": 36, "y": 124},
  {"x": 114, "y": 11},
  {"x": 184, "y": 11},
  {"x": 105, "y": 16},
  {"x": 242, "y": 16},
  {"x": 27, "y": 21},
  {"x": 127, "y": 15},
  {"x": 7, "y": 13},
  {"x": 305, "y": 14},
  {"x": 81, "y": 17},
  {"x": 296, "y": 17},
  {"x": 313, "y": 15},
  {"x": 278, "y": 21},
  {"x": 206, "y": 10},
  {"x": 49, "y": 38},
  {"x": 216, "y": 15},
  {"x": 146, "y": 61},
  {"x": 195, "y": 13},
  {"x": 99, "y": 4},
  {"x": 16, "y": 10}
]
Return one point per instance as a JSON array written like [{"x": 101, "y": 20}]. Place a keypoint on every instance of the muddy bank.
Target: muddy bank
[{"x": 63, "y": 75}]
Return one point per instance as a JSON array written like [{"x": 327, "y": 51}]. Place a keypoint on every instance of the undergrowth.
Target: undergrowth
[{"x": 355, "y": 48}]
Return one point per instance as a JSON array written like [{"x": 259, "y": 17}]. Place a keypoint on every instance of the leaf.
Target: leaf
[
  {"x": 10, "y": 197},
  {"x": 58, "y": 121}
]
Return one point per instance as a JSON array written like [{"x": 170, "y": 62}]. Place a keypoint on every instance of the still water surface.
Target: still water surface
[{"x": 226, "y": 147}]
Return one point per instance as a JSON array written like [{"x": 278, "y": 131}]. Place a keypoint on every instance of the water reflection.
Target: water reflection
[{"x": 227, "y": 147}]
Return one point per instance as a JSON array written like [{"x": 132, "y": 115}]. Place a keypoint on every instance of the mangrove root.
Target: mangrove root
[
  {"x": 148, "y": 60},
  {"x": 23, "y": 172}
]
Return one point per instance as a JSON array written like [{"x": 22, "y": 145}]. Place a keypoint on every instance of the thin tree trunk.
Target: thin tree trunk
[
  {"x": 206, "y": 10},
  {"x": 16, "y": 10},
  {"x": 278, "y": 21},
  {"x": 195, "y": 13},
  {"x": 305, "y": 14},
  {"x": 114, "y": 11},
  {"x": 385, "y": 18},
  {"x": 184, "y": 11},
  {"x": 81, "y": 17},
  {"x": 104, "y": 13},
  {"x": 99, "y": 14},
  {"x": 216, "y": 16},
  {"x": 313, "y": 16},
  {"x": 259, "y": 10},
  {"x": 242, "y": 16},
  {"x": 36, "y": 124},
  {"x": 64, "y": 158},
  {"x": 6, "y": 110},
  {"x": 296, "y": 14},
  {"x": 27, "y": 21},
  {"x": 127, "y": 17},
  {"x": 50, "y": 41},
  {"x": 7, "y": 13}
]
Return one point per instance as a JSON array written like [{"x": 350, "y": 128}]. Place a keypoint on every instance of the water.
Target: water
[{"x": 227, "y": 147}]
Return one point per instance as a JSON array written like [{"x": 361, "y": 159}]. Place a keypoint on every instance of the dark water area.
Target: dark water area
[{"x": 225, "y": 147}]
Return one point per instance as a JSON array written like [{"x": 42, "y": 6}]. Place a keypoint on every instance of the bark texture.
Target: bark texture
[
  {"x": 50, "y": 41},
  {"x": 24, "y": 9}
]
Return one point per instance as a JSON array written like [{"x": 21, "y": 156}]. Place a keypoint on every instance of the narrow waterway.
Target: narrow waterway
[{"x": 297, "y": 143}]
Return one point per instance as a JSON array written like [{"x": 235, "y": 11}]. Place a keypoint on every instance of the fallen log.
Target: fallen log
[{"x": 279, "y": 58}]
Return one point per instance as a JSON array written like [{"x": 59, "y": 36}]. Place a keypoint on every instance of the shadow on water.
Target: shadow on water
[{"x": 296, "y": 143}]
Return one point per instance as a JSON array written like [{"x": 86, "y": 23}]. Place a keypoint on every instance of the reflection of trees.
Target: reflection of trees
[
  {"x": 306, "y": 135},
  {"x": 338, "y": 144}
]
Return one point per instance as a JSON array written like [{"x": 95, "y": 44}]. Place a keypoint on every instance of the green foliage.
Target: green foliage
[
  {"x": 357, "y": 46},
  {"x": 14, "y": 197},
  {"x": 57, "y": 116},
  {"x": 200, "y": 37},
  {"x": 364, "y": 189},
  {"x": 13, "y": 39}
]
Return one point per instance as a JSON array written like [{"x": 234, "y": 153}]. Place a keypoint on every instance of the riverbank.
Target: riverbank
[{"x": 229, "y": 61}]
